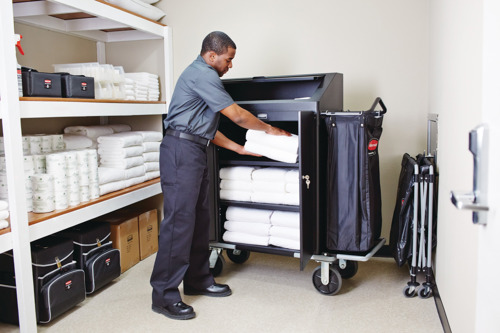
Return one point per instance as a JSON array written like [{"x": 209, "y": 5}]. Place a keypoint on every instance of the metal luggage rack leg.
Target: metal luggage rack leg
[{"x": 327, "y": 278}]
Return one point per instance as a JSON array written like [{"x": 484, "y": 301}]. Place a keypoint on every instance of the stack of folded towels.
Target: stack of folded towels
[
  {"x": 262, "y": 227},
  {"x": 127, "y": 158},
  {"x": 276, "y": 147},
  {"x": 145, "y": 86},
  {"x": 81, "y": 137},
  {"x": 4, "y": 214},
  {"x": 261, "y": 185}
]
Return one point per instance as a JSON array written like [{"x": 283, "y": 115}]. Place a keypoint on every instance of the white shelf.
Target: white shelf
[
  {"x": 58, "y": 108},
  {"x": 104, "y": 17}
]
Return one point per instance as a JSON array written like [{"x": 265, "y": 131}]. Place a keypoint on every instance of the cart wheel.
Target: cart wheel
[
  {"x": 349, "y": 270},
  {"x": 217, "y": 269},
  {"x": 424, "y": 292},
  {"x": 238, "y": 258},
  {"x": 334, "y": 284},
  {"x": 409, "y": 291}
]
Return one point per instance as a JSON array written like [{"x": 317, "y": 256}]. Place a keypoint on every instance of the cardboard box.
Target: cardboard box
[
  {"x": 148, "y": 233},
  {"x": 125, "y": 237}
]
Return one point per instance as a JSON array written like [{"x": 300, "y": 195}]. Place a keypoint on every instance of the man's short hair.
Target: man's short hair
[{"x": 218, "y": 42}]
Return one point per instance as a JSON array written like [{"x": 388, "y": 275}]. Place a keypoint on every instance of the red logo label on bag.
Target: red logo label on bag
[
  {"x": 84, "y": 86},
  {"x": 108, "y": 261},
  {"x": 67, "y": 285},
  {"x": 373, "y": 144},
  {"x": 47, "y": 83}
]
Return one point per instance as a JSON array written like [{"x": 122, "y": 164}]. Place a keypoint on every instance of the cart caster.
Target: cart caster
[
  {"x": 347, "y": 269},
  {"x": 216, "y": 261},
  {"x": 425, "y": 292},
  {"x": 217, "y": 269},
  {"x": 238, "y": 256},
  {"x": 409, "y": 291},
  {"x": 333, "y": 285}
]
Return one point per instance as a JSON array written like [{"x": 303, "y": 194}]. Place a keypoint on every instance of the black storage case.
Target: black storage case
[
  {"x": 58, "y": 283},
  {"x": 77, "y": 86},
  {"x": 94, "y": 253},
  {"x": 39, "y": 84}
]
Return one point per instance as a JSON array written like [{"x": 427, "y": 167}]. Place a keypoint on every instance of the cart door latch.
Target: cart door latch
[
  {"x": 308, "y": 181},
  {"x": 477, "y": 200}
]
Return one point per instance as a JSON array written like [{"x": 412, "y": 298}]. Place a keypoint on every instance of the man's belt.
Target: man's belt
[{"x": 187, "y": 136}]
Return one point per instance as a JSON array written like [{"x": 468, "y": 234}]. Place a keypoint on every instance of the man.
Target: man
[{"x": 192, "y": 121}]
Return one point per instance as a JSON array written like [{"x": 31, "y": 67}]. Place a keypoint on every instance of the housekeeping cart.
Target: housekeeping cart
[{"x": 338, "y": 206}]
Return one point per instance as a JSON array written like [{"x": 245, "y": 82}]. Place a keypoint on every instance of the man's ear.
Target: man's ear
[{"x": 212, "y": 56}]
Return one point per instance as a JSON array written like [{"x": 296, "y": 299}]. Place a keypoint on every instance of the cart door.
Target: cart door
[{"x": 309, "y": 184}]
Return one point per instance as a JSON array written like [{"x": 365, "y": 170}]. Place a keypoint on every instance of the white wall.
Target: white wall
[
  {"x": 380, "y": 46},
  {"x": 455, "y": 93}
]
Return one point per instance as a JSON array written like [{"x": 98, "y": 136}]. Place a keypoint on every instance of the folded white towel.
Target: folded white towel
[
  {"x": 4, "y": 205},
  {"x": 239, "y": 185},
  {"x": 4, "y": 214},
  {"x": 268, "y": 197},
  {"x": 292, "y": 199},
  {"x": 152, "y": 166},
  {"x": 292, "y": 187},
  {"x": 111, "y": 175},
  {"x": 239, "y": 237},
  {"x": 122, "y": 139},
  {"x": 112, "y": 187},
  {"x": 92, "y": 132},
  {"x": 292, "y": 176},
  {"x": 76, "y": 141},
  {"x": 269, "y": 174},
  {"x": 135, "y": 181},
  {"x": 125, "y": 163},
  {"x": 117, "y": 128},
  {"x": 268, "y": 186},
  {"x": 248, "y": 214},
  {"x": 286, "y": 143},
  {"x": 136, "y": 171},
  {"x": 234, "y": 195},
  {"x": 151, "y": 146},
  {"x": 152, "y": 156},
  {"x": 237, "y": 173},
  {"x": 286, "y": 219},
  {"x": 270, "y": 152},
  {"x": 283, "y": 242},
  {"x": 4, "y": 224},
  {"x": 152, "y": 174},
  {"x": 150, "y": 136},
  {"x": 120, "y": 152},
  {"x": 285, "y": 232},
  {"x": 258, "y": 229}
]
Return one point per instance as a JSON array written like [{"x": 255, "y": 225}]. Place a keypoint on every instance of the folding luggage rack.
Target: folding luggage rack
[{"x": 311, "y": 107}]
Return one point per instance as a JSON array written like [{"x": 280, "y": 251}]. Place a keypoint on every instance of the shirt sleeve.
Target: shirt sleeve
[{"x": 210, "y": 88}]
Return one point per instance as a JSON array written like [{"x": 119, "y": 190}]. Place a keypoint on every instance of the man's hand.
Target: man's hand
[{"x": 277, "y": 131}]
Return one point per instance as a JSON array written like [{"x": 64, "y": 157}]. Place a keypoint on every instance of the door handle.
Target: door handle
[{"x": 477, "y": 200}]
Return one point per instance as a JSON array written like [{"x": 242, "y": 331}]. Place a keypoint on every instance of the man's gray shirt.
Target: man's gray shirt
[{"x": 198, "y": 97}]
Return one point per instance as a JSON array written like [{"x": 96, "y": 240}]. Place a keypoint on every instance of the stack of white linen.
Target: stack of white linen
[
  {"x": 285, "y": 229},
  {"x": 121, "y": 161},
  {"x": 269, "y": 185},
  {"x": 71, "y": 133},
  {"x": 129, "y": 89},
  {"x": 4, "y": 214},
  {"x": 151, "y": 152},
  {"x": 146, "y": 86},
  {"x": 247, "y": 225},
  {"x": 276, "y": 147},
  {"x": 236, "y": 183}
]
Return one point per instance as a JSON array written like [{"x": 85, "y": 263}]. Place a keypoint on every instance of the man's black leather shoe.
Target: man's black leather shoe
[
  {"x": 179, "y": 310},
  {"x": 215, "y": 290}
]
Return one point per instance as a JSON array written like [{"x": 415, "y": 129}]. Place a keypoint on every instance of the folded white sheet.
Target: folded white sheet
[
  {"x": 239, "y": 237},
  {"x": 285, "y": 219},
  {"x": 76, "y": 141},
  {"x": 151, "y": 146},
  {"x": 285, "y": 232},
  {"x": 111, "y": 175},
  {"x": 243, "y": 214},
  {"x": 92, "y": 132},
  {"x": 270, "y": 152},
  {"x": 150, "y": 136},
  {"x": 152, "y": 166},
  {"x": 122, "y": 139},
  {"x": 269, "y": 174},
  {"x": 238, "y": 185},
  {"x": 4, "y": 205},
  {"x": 292, "y": 187},
  {"x": 120, "y": 152},
  {"x": 268, "y": 197},
  {"x": 125, "y": 163},
  {"x": 111, "y": 187},
  {"x": 152, "y": 174},
  {"x": 283, "y": 242},
  {"x": 292, "y": 176},
  {"x": 258, "y": 229},
  {"x": 136, "y": 171},
  {"x": 117, "y": 128},
  {"x": 286, "y": 143},
  {"x": 237, "y": 173},
  {"x": 234, "y": 195},
  {"x": 292, "y": 199},
  {"x": 268, "y": 186},
  {"x": 4, "y": 214},
  {"x": 152, "y": 156},
  {"x": 4, "y": 224}
]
